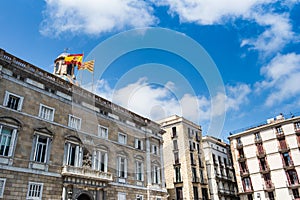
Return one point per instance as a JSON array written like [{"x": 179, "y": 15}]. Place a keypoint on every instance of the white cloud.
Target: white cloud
[
  {"x": 281, "y": 78},
  {"x": 276, "y": 28},
  {"x": 159, "y": 102},
  {"x": 94, "y": 17}
]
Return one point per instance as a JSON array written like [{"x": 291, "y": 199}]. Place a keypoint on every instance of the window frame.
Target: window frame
[
  {"x": 156, "y": 177},
  {"x": 125, "y": 138},
  {"x": 78, "y": 154},
  {"x": 155, "y": 149},
  {"x": 100, "y": 128},
  {"x": 6, "y": 100},
  {"x": 70, "y": 123},
  {"x": 136, "y": 144},
  {"x": 35, "y": 146},
  {"x": 139, "y": 197},
  {"x": 141, "y": 167},
  {"x": 119, "y": 167},
  {"x": 43, "y": 116},
  {"x": 97, "y": 160},
  {"x": 12, "y": 141},
  {"x": 28, "y": 190},
  {"x": 3, "y": 187}
]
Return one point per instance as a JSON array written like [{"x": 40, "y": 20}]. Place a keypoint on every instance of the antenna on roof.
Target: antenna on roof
[{"x": 292, "y": 115}]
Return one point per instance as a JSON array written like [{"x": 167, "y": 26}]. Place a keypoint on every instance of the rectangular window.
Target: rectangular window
[
  {"x": 2, "y": 186},
  {"x": 7, "y": 140},
  {"x": 156, "y": 175},
  {"x": 139, "y": 171},
  {"x": 154, "y": 149},
  {"x": 46, "y": 112},
  {"x": 176, "y": 157},
  {"x": 175, "y": 145},
  {"x": 297, "y": 126},
  {"x": 100, "y": 160},
  {"x": 296, "y": 193},
  {"x": 122, "y": 167},
  {"x": 174, "y": 132},
  {"x": 102, "y": 131},
  {"x": 279, "y": 130},
  {"x": 35, "y": 190},
  {"x": 13, "y": 101},
  {"x": 247, "y": 184},
  {"x": 138, "y": 144},
  {"x": 139, "y": 197},
  {"x": 41, "y": 148},
  {"x": 177, "y": 174},
  {"x": 73, "y": 155},
  {"x": 121, "y": 196},
  {"x": 122, "y": 138},
  {"x": 74, "y": 122},
  {"x": 195, "y": 191}
]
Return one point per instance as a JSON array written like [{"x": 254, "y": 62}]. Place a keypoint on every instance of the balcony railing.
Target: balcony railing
[
  {"x": 280, "y": 135},
  {"x": 244, "y": 173},
  {"x": 239, "y": 145},
  {"x": 241, "y": 159},
  {"x": 283, "y": 149},
  {"x": 257, "y": 140},
  {"x": 269, "y": 186},
  {"x": 86, "y": 173},
  {"x": 265, "y": 169},
  {"x": 293, "y": 184},
  {"x": 261, "y": 153}
]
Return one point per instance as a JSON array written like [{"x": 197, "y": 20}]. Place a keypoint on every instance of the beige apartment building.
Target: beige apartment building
[
  {"x": 219, "y": 166},
  {"x": 185, "y": 170},
  {"x": 267, "y": 160},
  {"x": 60, "y": 141}
]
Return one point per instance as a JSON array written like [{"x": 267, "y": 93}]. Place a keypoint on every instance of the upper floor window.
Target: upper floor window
[
  {"x": 257, "y": 136},
  {"x": 176, "y": 157},
  {"x": 247, "y": 184},
  {"x": 73, "y": 154},
  {"x": 279, "y": 130},
  {"x": 122, "y": 138},
  {"x": 155, "y": 149},
  {"x": 155, "y": 174},
  {"x": 121, "y": 196},
  {"x": 41, "y": 148},
  {"x": 175, "y": 145},
  {"x": 46, "y": 112},
  {"x": 13, "y": 101},
  {"x": 122, "y": 167},
  {"x": 102, "y": 131},
  {"x": 139, "y": 197},
  {"x": 138, "y": 144},
  {"x": 100, "y": 160},
  {"x": 174, "y": 132},
  {"x": 2, "y": 186},
  {"x": 139, "y": 169},
  {"x": 177, "y": 174},
  {"x": 34, "y": 191},
  {"x": 74, "y": 122},
  {"x": 239, "y": 141},
  {"x": 297, "y": 125},
  {"x": 7, "y": 140}
]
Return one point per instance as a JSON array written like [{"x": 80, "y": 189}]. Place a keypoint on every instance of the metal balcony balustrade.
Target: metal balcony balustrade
[
  {"x": 264, "y": 169},
  {"x": 239, "y": 145},
  {"x": 244, "y": 172},
  {"x": 283, "y": 148},
  {"x": 261, "y": 153},
  {"x": 269, "y": 186},
  {"x": 288, "y": 165},
  {"x": 86, "y": 172}
]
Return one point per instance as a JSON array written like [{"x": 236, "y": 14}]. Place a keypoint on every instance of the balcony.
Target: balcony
[
  {"x": 258, "y": 140},
  {"x": 85, "y": 172},
  {"x": 244, "y": 173},
  {"x": 241, "y": 159},
  {"x": 261, "y": 154},
  {"x": 269, "y": 186},
  {"x": 283, "y": 149},
  {"x": 289, "y": 165},
  {"x": 265, "y": 169},
  {"x": 280, "y": 135},
  {"x": 293, "y": 184},
  {"x": 239, "y": 145}
]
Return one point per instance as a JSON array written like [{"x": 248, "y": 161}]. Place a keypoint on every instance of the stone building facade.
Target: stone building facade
[
  {"x": 267, "y": 159},
  {"x": 185, "y": 169},
  {"x": 59, "y": 141},
  {"x": 219, "y": 166}
]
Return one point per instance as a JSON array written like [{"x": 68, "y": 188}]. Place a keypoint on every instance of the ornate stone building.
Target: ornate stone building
[
  {"x": 59, "y": 141},
  {"x": 185, "y": 170}
]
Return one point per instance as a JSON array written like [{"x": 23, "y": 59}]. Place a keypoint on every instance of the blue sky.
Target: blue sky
[{"x": 254, "y": 45}]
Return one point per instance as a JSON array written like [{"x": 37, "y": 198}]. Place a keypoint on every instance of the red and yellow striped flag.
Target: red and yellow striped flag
[
  {"x": 75, "y": 59},
  {"x": 89, "y": 65}
]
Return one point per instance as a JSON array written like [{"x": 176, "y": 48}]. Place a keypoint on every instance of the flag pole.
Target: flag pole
[{"x": 93, "y": 77}]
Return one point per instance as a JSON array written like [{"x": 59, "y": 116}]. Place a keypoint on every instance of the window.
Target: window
[
  {"x": 257, "y": 136},
  {"x": 154, "y": 149},
  {"x": 174, "y": 132},
  {"x": 73, "y": 155},
  {"x": 139, "y": 197},
  {"x": 195, "y": 191},
  {"x": 239, "y": 141},
  {"x": 41, "y": 148},
  {"x": 2, "y": 186},
  {"x": 297, "y": 125},
  {"x": 156, "y": 175},
  {"x": 177, "y": 174},
  {"x": 122, "y": 138},
  {"x": 7, "y": 140},
  {"x": 122, "y": 167},
  {"x": 102, "y": 131},
  {"x": 279, "y": 130},
  {"x": 194, "y": 174},
  {"x": 74, "y": 122},
  {"x": 13, "y": 101},
  {"x": 100, "y": 160},
  {"x": 296, "y": 193},
  {"x": 35, "y": 190},
  {"x": 175, "y": 145},
  {"x": 247, "y": 184},
  {"x": 138, "y": 144},
  {"x": 250, "y": 197},
  {"x": 121, "y": 196},
  {"x": 176, "y": 157},
  {"x": 139, "y": 169},
  {"x": 46, "y": 112}
]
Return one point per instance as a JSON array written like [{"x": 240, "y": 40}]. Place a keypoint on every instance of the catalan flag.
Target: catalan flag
[
  {"x": 89, "y": 65},
  {"x": 75, "y": 59}
]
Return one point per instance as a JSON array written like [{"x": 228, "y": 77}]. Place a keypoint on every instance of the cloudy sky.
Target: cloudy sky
[{"x": 253, "y": 44}]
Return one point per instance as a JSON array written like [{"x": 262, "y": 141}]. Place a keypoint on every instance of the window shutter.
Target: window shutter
[
  {"x": 142, "y": 166},
  {"x": 48, "y": 149},
  {"x": 119, "y": 167},
  {"x": 94, "y": 156},
  {"x": 135, "y": 143},
  {"x": 33, "y": 151},
  {"x": 125, "y": 167},
  {"x": 105, "y": 161},
  {"x": 80, "y": 157},
  {"x": 12, "y": 142},
  {"x": 158, "y": 175},
  {"x": 137, "y": 170},
  {"x": 66, "y": 154}
]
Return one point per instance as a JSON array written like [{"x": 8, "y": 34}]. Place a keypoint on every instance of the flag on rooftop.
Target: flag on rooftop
[
  {"x": 75, "y": 59},
  {"x": 89, "y": 65}
]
